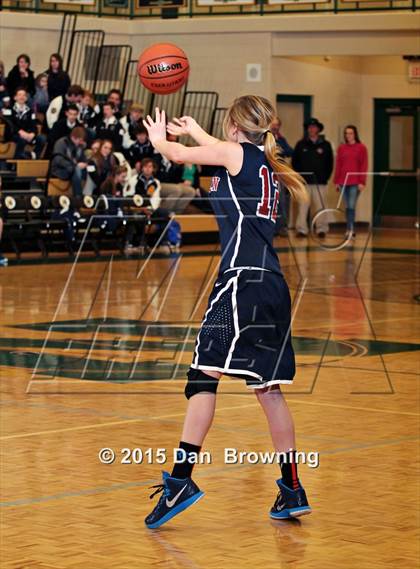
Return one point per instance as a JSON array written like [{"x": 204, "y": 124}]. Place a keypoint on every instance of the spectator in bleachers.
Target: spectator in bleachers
[
  {"x": 313, "y": 159},
  {"x": 22, "y": 76},
  {"x": 286, "y": 151},
  {"x": 41, "y": 101},
  {"x": 58, "y": 106},
  {"x": 63, "y": 127},
  {"x": 69, "y": 161},
  {"x": 190, "y": 175},
  {"x": 141, "y": 148},
  {"x": 4, "y": 94},
  {"x": 112, "y": 189},
  {"x": 148, "y": 186},
  {"x": 109, "y": 127},
  {"x": 115, "y": 182},
  {"x": 89, "y": 112},
  {"x": 351, "y": 172},
  {"x": 58, "y": 79},
  {"x": 101, "y": 165},
  {"x": 115, "y": 97},
  {"x": 23, "y": 124},
  {"x": 131, "y": 123},
  {"x": 147, "y": 183},
  {"x": 121, "y": 160},
  {"x": 94, "y": 147},
  {"x": 176, "y": 195}
]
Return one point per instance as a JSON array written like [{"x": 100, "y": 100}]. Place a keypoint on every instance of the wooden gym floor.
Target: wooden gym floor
[{"x": 77, "y": 378}]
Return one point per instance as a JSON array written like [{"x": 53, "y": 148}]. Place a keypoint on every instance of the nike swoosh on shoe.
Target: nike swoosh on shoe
[{"x": 172, "y": 502}]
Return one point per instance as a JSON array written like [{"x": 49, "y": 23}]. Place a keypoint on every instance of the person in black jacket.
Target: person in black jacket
[
  {"x": 115, "y": 97},
  {"x": 59, "y": 105},
  {"x": 58, "y": 79},
  {"x": 21, "y": 76},
  {"x": 313, "y": 159},
  {"x": 63, "y": 127},
  {"x": 141, "y": 148},
  {"x": 23, "y": 126},
  {"x": 69, "y": 159},
  {"x": 109, "y": 127}
]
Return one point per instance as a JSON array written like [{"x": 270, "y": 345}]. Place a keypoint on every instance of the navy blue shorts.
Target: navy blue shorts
[{"x": 246, "y": 330}]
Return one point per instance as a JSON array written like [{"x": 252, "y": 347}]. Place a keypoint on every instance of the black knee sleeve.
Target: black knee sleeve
[{"x": 198, "y": 381}]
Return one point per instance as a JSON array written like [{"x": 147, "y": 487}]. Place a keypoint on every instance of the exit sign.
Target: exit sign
[{"x": 414, "y": 70}]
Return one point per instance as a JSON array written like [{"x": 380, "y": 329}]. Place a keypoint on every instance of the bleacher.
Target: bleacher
[{"x": 36, "y": 207}]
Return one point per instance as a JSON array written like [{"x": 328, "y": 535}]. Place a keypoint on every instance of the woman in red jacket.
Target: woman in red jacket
[{"x": 350, "y": 172}]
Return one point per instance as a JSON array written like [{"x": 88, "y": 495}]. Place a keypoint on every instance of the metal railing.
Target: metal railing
[{"x": 196, "y": 8}]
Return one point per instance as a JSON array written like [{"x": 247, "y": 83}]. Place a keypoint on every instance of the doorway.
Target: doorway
[
  {"x": 396, "y": 157},
  {"x": 294, "y": 111}
]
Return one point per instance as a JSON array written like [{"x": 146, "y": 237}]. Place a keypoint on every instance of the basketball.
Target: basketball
[{"x": 163, "y": 68}]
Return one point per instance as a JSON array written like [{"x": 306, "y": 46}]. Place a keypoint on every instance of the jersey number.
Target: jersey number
[{"x": 264, "y": 209}]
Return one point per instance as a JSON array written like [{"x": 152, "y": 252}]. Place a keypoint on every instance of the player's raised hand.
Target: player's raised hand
[
  {"x": 183, "y": 125},
  {"x": 156, "y": 128}
]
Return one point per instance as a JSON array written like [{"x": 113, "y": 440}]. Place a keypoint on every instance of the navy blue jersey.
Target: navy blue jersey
[{"x": 246, "y": 209}]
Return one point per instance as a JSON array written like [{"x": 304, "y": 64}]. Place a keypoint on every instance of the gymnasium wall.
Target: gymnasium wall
[{"x": 343, "y": 61}]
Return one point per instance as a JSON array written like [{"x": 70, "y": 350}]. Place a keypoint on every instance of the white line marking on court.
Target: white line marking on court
[
  {"x": 113, "y": 423},
  {"x": 352, "y": 407}
]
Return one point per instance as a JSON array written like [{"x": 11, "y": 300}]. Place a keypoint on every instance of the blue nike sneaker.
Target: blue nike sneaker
[
  {"x": 290, "y": 503},
  {"x": 178, "y": 495}
]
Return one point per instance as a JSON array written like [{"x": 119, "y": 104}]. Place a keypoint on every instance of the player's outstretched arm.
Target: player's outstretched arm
[
  {"x": 227, "y": 154},
  {"x": 189, "y": 126}
]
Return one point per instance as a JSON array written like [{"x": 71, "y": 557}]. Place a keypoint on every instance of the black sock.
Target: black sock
[
  {"x": 289, "y": 470},
  {"x": 184, "y": 469}
]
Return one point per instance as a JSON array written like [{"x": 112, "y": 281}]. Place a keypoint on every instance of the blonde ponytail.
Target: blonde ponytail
[
  {"x": 286, "y": 175},
  {"x": 253, "y": 116}
]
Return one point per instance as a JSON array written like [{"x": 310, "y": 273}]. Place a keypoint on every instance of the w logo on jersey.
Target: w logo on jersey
[{"x": 214, "y": 184}]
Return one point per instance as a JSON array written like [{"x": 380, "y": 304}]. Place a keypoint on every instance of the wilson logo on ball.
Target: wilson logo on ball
[{"x": 163, "y": 68}]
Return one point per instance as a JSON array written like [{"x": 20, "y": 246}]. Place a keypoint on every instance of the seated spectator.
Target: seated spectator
[
  {"x": 109, "y": 127},
  {"x": 100, "y": 165},
  {"x": 94, "y": 147},
  {"x": 121, "y": 160},
  {"x": 190, "y": 175},
  {"x": 147, "y": 184},
  {"x": 21, "y": 76},
  {"x": 115, "y": 182},
  {"x": 63, "y": 127},
  {"x": 130, "y": 124},
  {"x": 58, "y": 79},
  {"x": 89, "y": 113},
  {"x": 112, "y": 189},
  {"x": 176, "y": 195},
  {"x": 69, "y": 160},
  {"x": 141, "y": 148},
  {"x": 148, "y": 187},
  {"x": 23, "y": 126},
  {"x": 4, "y": 94},
  {"x": 59, "y": 105},
  {"x": 41, "y": 101},
  {"x": 115, "y": 97}
]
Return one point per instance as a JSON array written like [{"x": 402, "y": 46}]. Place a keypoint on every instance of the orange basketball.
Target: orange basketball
[{"x": 163, "y": 68}]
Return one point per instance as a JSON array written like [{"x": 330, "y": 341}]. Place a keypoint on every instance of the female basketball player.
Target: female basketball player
[{"x": 245, "y": 332}]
